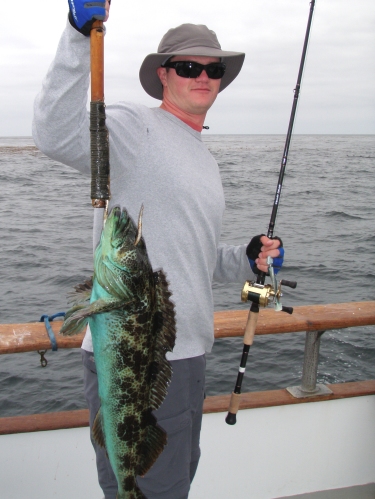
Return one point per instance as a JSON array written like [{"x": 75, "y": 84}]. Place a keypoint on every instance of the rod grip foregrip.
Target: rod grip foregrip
[
  {"x": 234, "y": 403},
  {"x": 99, "y": 146},
  {"x": 99, "y": 137},
  {"x": 251, "y": 324}
]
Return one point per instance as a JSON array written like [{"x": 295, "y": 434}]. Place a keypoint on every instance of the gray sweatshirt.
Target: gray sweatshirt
[{"x": 160, "y": 162}]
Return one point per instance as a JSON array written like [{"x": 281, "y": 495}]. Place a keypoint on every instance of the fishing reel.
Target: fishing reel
[{"x": 263, "y": 294}]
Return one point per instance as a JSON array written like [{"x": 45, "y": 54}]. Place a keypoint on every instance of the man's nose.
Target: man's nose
[{"x": 202, "y": 76}]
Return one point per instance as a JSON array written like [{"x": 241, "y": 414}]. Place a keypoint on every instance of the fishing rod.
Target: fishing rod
[
  {"x": 99, "y": 137},
  {"x": 257, "y": 292}
]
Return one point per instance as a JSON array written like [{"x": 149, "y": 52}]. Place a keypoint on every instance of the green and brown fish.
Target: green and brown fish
[{"x": 132, "y": 323}]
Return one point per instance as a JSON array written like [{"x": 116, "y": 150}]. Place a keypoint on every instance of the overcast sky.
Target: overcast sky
[{"x": 338, "y": 88}]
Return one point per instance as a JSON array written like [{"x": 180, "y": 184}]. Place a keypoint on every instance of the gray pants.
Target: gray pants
[{"x": 180, "y": 416}]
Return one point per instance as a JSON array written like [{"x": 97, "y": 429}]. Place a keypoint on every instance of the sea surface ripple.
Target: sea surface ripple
[{"x": 326, "y": 220}]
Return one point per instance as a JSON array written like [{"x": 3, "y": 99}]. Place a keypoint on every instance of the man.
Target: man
[{"x": 158, "y": 158}]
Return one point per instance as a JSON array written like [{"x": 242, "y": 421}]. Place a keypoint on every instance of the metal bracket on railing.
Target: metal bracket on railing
[{"x": 308, "y": 387}]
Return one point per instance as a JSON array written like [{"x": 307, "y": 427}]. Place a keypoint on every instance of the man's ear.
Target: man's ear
[{"x": 162, "y": 73}]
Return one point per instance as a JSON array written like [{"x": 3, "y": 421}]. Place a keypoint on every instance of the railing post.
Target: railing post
[{"x": 308, "y": 387}]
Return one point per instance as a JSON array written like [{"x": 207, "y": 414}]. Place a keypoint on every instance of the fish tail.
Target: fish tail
[{"x": 134, "y": 493}]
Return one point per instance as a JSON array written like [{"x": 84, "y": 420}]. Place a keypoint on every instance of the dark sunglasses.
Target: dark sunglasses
[{"x": 190, "y": 69}]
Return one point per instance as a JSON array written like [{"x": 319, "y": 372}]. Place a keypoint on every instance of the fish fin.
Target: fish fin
[
  {"x": 97, "y": 430},
  {"x": 81, "y": 293},
  {"x": 78, "y": 315},
  {"x": 71, "y": 326},
  {"x": 109, "y": 277},
  {"x": 165, "y": 330},
  {"x": 152, "y": 446}
]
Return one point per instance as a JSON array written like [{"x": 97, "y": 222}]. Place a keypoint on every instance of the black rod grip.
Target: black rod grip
[{"x": 99, "y": 139}]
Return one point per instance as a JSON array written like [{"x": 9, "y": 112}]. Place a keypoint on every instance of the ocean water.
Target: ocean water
[{"x": 326, "y": 219}]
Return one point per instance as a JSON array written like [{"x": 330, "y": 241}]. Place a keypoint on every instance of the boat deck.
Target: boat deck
[{"x": 359, "y": 492}]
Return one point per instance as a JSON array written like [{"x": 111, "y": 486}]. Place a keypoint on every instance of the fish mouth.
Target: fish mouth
[{"x": 120, "y": 223}]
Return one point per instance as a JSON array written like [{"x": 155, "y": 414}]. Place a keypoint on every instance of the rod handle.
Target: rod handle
[
  {"x": 251, "y": 325},
  {"x": 97, "y": 61},
  {"x": 99, "y": 138}
]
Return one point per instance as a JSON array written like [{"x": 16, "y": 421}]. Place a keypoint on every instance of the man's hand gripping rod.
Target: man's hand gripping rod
[{"x": 257, "y": 292}]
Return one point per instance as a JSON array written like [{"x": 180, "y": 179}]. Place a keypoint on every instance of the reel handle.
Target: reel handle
[
  {"x": 288, "y": 310},
  {"x": 288, "y": 284}
]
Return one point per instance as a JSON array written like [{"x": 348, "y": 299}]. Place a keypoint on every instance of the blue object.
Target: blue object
[
  {"x": 84, "y": 13},
  {"x": 46, "y": 319},
  {"x": 253, "y": 266},
  {"x": 278, "y": 262}
]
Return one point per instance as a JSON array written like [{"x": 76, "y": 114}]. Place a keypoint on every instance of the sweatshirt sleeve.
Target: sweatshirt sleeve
[
  {"x": 61, "y": 121},
  {"x": 232, "y": 264}
]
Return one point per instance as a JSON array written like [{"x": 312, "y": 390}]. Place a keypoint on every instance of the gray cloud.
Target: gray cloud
[{"x": 337, "y": 92}]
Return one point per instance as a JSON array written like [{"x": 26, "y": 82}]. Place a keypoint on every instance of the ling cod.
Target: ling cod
[{"x": 132, "y": 322}]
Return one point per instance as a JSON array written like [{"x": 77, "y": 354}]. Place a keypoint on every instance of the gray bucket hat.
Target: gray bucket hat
[{"x": 188, "y": 39}]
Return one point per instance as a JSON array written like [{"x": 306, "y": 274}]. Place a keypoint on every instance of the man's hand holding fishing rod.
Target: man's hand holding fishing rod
[
  {"x": 260, "y": 249},
  {"x": 82, "y": 14}
]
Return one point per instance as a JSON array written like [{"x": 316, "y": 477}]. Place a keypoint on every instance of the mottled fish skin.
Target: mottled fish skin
[{"x": 132, "y": 322}]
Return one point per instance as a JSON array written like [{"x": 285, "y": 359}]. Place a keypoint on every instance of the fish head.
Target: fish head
[
  {"x": 120, "y": 242},
  {"x": 121, "y": 258}
]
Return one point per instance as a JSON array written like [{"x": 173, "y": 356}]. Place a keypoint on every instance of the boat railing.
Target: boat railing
[{"x": 314, "y": 320}]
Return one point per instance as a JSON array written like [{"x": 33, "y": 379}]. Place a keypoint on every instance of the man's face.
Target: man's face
[{"x": 191, "y": 95}]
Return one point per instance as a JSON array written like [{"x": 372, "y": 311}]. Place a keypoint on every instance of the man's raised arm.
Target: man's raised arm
[{"x": 61, "y": 121}]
